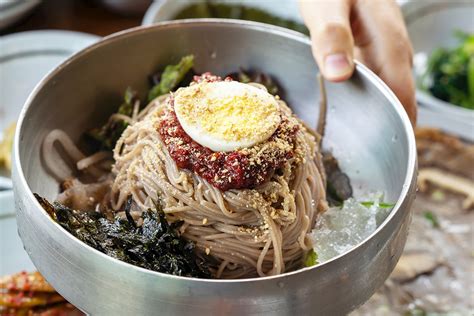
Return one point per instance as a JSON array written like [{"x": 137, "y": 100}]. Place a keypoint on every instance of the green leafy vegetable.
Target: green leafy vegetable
[
  {"x": 106, "y": 137},
  {"x": 432, "y": 218},
  {"x": 129, "y": 99},
  {"x": 171, "y": 77},
  {"x": 381, "y": 204},
  {"x": 156, "y": 245},
  {"x": 450, "y": 73},
  {"x": 311, "y": 258}
]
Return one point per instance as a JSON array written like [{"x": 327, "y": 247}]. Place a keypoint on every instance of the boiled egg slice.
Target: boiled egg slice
[{"x": 227, "y": 115}]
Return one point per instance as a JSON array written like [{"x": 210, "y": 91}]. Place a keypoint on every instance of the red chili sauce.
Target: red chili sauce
[{"x": 239, "y": 169}]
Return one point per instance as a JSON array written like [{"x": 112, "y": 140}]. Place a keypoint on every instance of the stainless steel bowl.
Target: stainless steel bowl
[{"x": 367, "y": 129}]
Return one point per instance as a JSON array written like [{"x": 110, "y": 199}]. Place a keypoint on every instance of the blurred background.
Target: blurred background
[{"x": 435, "y": 274}]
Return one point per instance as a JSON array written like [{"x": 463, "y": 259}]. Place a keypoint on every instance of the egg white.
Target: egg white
[{"x": 210, "y": 93}]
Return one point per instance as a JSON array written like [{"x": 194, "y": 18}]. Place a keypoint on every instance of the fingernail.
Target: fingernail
[{"x": 337, "y": 66}]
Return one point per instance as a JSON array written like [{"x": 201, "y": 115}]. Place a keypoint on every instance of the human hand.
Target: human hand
[{"x": 372, "y": 31}]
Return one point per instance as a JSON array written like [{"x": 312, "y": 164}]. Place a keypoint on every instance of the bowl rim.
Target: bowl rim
[
  {"x": 291, "y": 35},
  {"x": 428, "y": 100}
]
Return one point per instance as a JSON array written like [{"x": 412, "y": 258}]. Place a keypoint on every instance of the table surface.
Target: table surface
[{"x": 87, "y": 16}]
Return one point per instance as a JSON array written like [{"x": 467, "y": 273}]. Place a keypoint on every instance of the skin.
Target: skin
[{"x": 371, "y": 31}]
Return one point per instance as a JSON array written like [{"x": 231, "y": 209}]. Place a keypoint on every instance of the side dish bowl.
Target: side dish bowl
[
  {"x": 166, "y": 10},
  {"x": 367, "y": 130},
  {"x": 431, "y": 25}
]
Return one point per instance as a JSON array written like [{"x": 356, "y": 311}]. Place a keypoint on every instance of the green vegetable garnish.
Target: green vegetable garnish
[
  {"x": 106, "y": 136},
  {"x": 171, "y": 77},
  {"x": 381, "y": 204},
  {"x": 450, "y": 73},
  {"x": 311, "y": 258},
  {"x": 129, "y": 99},
  {"x": 432, "y": 218}
]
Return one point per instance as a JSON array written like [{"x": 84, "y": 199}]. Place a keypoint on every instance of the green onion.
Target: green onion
[
  {"x": 311, "y": 259},
  {"x": 381, "y": 204}
]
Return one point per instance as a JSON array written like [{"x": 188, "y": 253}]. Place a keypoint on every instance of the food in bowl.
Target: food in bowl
[
  {"x": 211, "y": 9},
  {"x": 214, "y": 177},
  {"x": 449, "y": 74},
  {"x": 82, "y": 94}
]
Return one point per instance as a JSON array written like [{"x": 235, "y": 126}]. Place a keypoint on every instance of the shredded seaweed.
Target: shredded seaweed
[{"x": 155, "y": 245}]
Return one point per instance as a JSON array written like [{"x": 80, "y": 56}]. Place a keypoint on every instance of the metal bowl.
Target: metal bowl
[{"x": 367, "y": 129}]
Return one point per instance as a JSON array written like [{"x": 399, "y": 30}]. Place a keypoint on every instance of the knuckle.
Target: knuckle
[
  {"x": 402, "y": 50},
  {"x": 335, "y": 28}
]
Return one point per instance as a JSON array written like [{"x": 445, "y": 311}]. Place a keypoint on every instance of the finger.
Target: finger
[
  {"x": 398, "y": 76},
  {"x": 333, "y": 44},
  {"x": 388, "y": 50},
  {"x": 400, "y": 79}
]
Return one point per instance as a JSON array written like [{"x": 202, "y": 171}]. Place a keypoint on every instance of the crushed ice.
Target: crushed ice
[{"x": 341, "y": 228}]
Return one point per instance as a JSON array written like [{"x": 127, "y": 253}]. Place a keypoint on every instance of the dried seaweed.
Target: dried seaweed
[{"x": 155, "y": 245}]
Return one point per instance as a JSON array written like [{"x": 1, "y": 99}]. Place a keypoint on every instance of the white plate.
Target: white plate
[
  {"x": 13, "y": 258},
  {"x": 25, "y": 58},
  {"x": 13, "y": 10}
]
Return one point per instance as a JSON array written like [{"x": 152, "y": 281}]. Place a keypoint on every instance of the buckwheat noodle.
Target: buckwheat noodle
[{"x": 240, "y": 233}]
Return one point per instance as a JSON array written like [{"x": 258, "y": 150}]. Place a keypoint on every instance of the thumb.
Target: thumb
[{"x": 333, "y": 43}]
